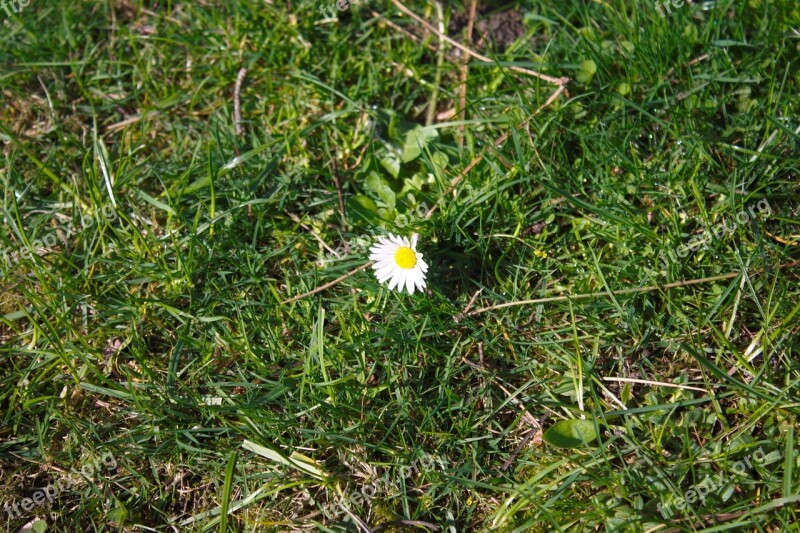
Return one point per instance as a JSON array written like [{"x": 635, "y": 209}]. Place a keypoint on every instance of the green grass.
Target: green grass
[{"x": 156, "y": 334}]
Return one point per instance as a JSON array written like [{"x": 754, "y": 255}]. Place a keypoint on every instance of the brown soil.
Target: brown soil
[{"x": 499, "y": 28}]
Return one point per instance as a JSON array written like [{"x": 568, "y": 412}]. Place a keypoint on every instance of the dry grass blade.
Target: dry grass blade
[
  {"x": 237, "y": 107},
  {"x": 602, "y": 294}
]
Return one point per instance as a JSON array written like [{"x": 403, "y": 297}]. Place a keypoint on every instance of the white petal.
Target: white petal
[
  {"x": 383, "y": 241},
  {"x": 396, "y": 278},
  {"x": 383, "y": 258},
  {"x": 414, "y": 238},
  {"x": 403, "y": 280},
  {"x": 422, "y": 265},
  {"x": 384, "y": 273},
  {"x": 421, "y": 277},
  {"x": 381, "y": 266},
  {"x": 410, "y": 278},
  {"x": 385, "y": 267},
  {"x": 383, "y": 252},
  {"x": 393, "y": 280},
  {"x": 388, "y": 261}
]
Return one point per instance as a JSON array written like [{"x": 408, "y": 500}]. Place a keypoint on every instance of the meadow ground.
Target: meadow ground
[{"x": 610, "y": 332}]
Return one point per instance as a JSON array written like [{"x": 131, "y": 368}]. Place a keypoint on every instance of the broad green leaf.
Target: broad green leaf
[
  {"x": 37, "y": 526},
  {"x": 416, "y": 140},
  {"x": 374, "y": 182},
  {"x": 627, "y": 47},
  {"x": 362, "y": 207},
  {"x": 118, "y": 514},
  {"x": 570, "y": 433},
  {"x": 587, "y": 71},
  {"x": 390, "y": 161},
  {"x": 387, "y": 195},
  {"x": 439, "y": 160},
  {"x": 414, "y": 183},
  {"x": 379, "y": 186},
  {"x": 366, "y": 202}
]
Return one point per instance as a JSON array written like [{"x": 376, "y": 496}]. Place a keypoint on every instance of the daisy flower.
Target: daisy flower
[{"x": 397, "y": 260}]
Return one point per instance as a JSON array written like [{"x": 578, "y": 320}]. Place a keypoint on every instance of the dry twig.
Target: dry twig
[{"x": 329, "y": 284}]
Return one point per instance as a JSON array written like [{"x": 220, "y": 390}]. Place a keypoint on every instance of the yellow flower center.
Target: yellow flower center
[{"x": 405, "y": 257}]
